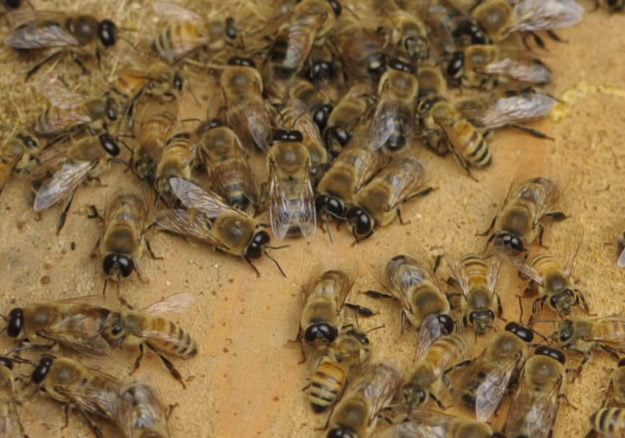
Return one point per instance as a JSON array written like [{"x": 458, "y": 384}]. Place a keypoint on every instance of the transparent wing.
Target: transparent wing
[
  {"x": 64, "y": 182},
  {"x": 422, "y": 423},
  {"x": 184, "y": 223},
  {"x": 170, "y": 12},
  {"x": 172, "y": 304},
  {"x": 141, "y": 408},
  {"x": 208, "y": 203},
  {"x": 527, "y": 270},
  {"x": 493, "y": 388},
  {"x": 58, "y": 94},
  {"x": 79, "y": 332},
  {"x": 388, "y": 118},
  {"x": 533, "y": 15},
  {"x": 460, "y": 274},
  {"x": 494, "y": 267},
  {"x": 378, "y": 384},
  {"x": 406, "y": 176},
  {"x": 41, "y": 32},
  {"x": 429, "y": 332},
  {"x": 10, "y": 424},
  {"x": 286, "y": 211},
  {"x": 520, "y": 68},
  {"x": 621, "y": 259},
  {"x": 611, "y": 330},
  {"x": 259, "y": 123},
  {"x": 537, "y": 420},
  {"x": 102, "y": 400}
]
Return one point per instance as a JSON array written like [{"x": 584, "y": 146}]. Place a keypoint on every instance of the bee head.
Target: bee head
[
  {"x": 376, "y": 65},
  {"x": 118, "y": 264},
  {"x": 243, "y": 62},
  {"x": 509, "y": 244},
  {"x": 455, "y": 66},
  {"x": 482, "y": 320},
  {"x": 6, "y": 362},
  {"x": 447, "y": 323},
  {"x": 286, "y": 135},
  {"x": 330, "y": 205},
  {"x": 338, "y": 134},
  {"x": 322, "y": 332},
  {"x": 256, "y": 246},
  {"x": 565, "y": 332},
  {"x": 114, "y": 331},
  {"x": 563, "y": 301},
  {"x": 16, "y": 322},
  {"x": 109, "y": 144},
  {"x": 553, "y": 353},
  {"x": 110, "y": 109},
  {"x": 362, "y": 222},
  {"x": 145, "y": 169},
  {"x": 403, "y": 66},
  {"x": 321, "y": 70},
  {"x": 521, "y": 331},
  {"x": 413, "y": 395},
  {"x": 42, "y": 369},
  {"x": 467, "y": 27},
  {"x": 321, "y": 116},
  {"x": 339, "y": 432},
  {"x": 359, "y": 336},
  {"x": 107, "y": 32},
  {"x": 231, "y": 29}
]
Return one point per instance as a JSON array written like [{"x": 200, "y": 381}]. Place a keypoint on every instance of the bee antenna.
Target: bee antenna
[
  {"x": 539, "y": 334},
  {"x": 104, "y": 288},
  {"x": 192, "y": 119},
  {"x": 279, "y": 247},
  {"x": 376, "y": 328},
  {"x": 276, "y": 263}
]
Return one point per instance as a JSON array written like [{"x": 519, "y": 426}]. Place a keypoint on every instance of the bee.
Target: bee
[
  {"x": 246, "y": 113},
  {"x": 349, "y": 110},
  {"x": 226, "y": 164},
  {"x": 307, "y": 26},
  {"x": 415, "y": 287},
  {"x": 583, "y": 335},
  {"x": 534, "y": 406},
  {"x": 188, "y": 31},
  {"x": 10, "y": 424},
  {"x": 147, "y": 328},
  {"x": 427, "y": 423},
  {"x": 409, "y": 35},
  {"x": 446, "y": 130},
  {"x": 295, "y": 119},
  {"x": 500, "y": 18},
  {"x": 15, "y": 153},
  {"x": 519, "y": 221},
  {"x": 610, "y": 5},
  {"x": 379, "y": 202},
  {"x": 433, "y": 361},
  {"x": 155, "y": 122},
  {"x": 86, "y": 157},
  {"x": 174, "y": 163},
  {"x": 431, "y": 81},
  {"x": 486, "y": 380},
  {"x": 356, "y": 415},
  {"x": 477, "y": 278},
  {"x": 70, "y": 323},
  {"x": 42, "y": 30},
  {"x": 507, "y": 109},
  {"x": 394, "y": 122},
  {"x": 305, "y": 97},
  {"x": 211, "y": 220},
  {"x": 353, "y": 167},
  {"x": 291, "y": 194},
  {"x": 68, "y": 381},
  {"x": 608, "y": 422},
  {"x": 141, "y": 413},
  {"x": 349, "y": 352},
  {"x": 69, "y": 111},
  {"x": 324, "y": 72},
  {"x": 552, "y": 282},
  {"x": 487, "y": 66}
]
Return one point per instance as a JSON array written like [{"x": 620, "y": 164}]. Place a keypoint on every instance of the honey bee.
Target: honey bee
[
  {"x": 414, "y": 286},
  {"x": 307, "y": 26},
  {"x": 486, "y": 380},
  {"x": 615, "y": 395},
  {"x": 211, "y": 220},
  {"x": 477, "y": 278},
  {"x": 42, "y": 30},
  {"x": 291, "y": 194},
  {"x": 487, "y": 66},
  {"x": 427, "y": 423},
  {"x": 294, "y": 119},
  {"x": 189, "y": 31},
  {"x": 141, "y": 413},
  {"x": 507, "y": 109},
  {"x": 349, "y": 352},
  {"x": 583, "y": 335},
  {"x": 379, "y": 202},
  {"x": 409, "y": 35},
  {"x": 610, "y": 5},
  {"x": 68, "y": 111},
  {"x": 431, "y": 81},
  {"x": 246, "y": 112},
  {"x": 354, "y": 166},
  {"x": 519, "y": 221},
  {"x": 91, "y": 391},
  {"x": 348, "y": 111},
  {"x": 394, "y": 122},
  {"x": 73, "y": 324},
  {"x": 147, "y": 328},
  {"x": 535, "y": 404},
  {"x": 229, "y": 170},
  {"x": 324, "y": 73},
  {"x": 446, "y": 130},
  {"x": 305, "y": 97},
  {"x": 15, "y": 153},
  {"x": 433, "y": 360},
  {"x": 552, "y": 282},
  {"x": 174, "y": 163},
  {"x": 500, "y": 18},
  {"x": 10, "y": 424},
  {"x": 155, "y": 121},
  {"x": 355, "y": 416},
  {"x": 608, "y": 422}
]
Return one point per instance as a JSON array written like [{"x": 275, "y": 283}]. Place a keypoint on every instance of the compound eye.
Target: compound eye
[
  {"x": 6, "y": 362},
  {"x": 455, "y": 66},
  {"x": 321, "y": 116},
  {"x": 178, "y": 82},
  {"x": 108, "y": 33},
  {"x": 339, "y": 433},
  {"x": 126, "y": 265},
  {"x": 109, "y": 144},
  {"x": 322, "y": 69},
  {"x": 543, "y": 350},
  {"x": 253, "y": 251},
  {"x": 109, "y": 262},
  {"x": 111, "y": 108},
  {"x": 334, "y": 207},
  {"x": 42, "y": 369},
  {"x": 554, "y": 300},
  {"x": 29, "y": 141},
  {"x": 336, "y": 7},
  {"x": 234, "y": 60},
  {"x": 490, "y": 315},
  {"x": 447, "y": 323},
  {"x": 295, "y": 136},
  {"x": 215, "y": 123},
  {"x": 231, "y": 30},
  {"x": 323, "y": 332},
  {"x": 16, "y": 322},
  {"x": 262, "y": 238},
  {"x": 516, "y": 244},
  {"x": 117, "y": 329},
  {"x": 364, "y": 224},
  {"x": 342, "y": 136},
  {"x": 280, "y": 135},
  {"x": 399, "y": 65},
  {"x": 244, "y": 62}
]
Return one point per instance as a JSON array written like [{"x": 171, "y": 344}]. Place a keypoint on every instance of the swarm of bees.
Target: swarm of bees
[{"x": 340, "y": 111}]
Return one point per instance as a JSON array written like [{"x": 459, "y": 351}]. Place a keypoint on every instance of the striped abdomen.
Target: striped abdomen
[
  {"x": 445, "y": 352},
  {"x": 168, "y": 337},
  {"x": 469, "y": 143},
  {"x": 610, "y": 422},
  {"x": 477, "y": 271},
  {"x": 177, "y": 40},
  {"x": 327, "y": 384}
]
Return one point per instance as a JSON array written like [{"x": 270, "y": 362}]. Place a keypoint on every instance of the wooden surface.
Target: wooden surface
[{"x": 246, "y": 380}]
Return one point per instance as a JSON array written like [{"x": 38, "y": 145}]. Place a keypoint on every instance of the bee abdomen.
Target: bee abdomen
[
  {"x": 609, "y": 421},
  {"x": 327, "y": 384},
  {"x": 477, "y": 151}
]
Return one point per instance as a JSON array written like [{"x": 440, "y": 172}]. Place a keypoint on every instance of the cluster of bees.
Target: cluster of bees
[{"x": 339, "y": 109}]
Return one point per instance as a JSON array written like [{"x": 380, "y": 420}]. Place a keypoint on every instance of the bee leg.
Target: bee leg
[
  {"x": 63, "y": 216},
  {"x": 94, "y": 428},
  {"x": 94, "y": 214},
  {"x": 249, "y": 262},
  {"x": 149, "y": 247},
  {"x": 538, "y": 300},
  {"x": 40, "y": 64},
  {"x": 80, "y": 64},
  {"x": 556, "y": 215},
  {"x": 375, "y": 294},
  {"x": 362, "y": 311},
  {"x": 614, "y": 352},
  {"x": 138, "y": 359},
  {"x": 437, "y": 263},
  {"x": 554, "y": 36},
  {"x": 582, "y": 298},
  {"x": 170, "y": 366},
  {"x": 438, "y": 402},
  {"x": 530, "y": 131},
  {"x": 490, "y": 228}
]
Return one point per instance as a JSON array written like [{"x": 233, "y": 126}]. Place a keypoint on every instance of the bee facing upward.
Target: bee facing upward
[{"x": 174, "y": 163}]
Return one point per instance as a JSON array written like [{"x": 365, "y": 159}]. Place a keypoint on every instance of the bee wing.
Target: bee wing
[
  {"x": 10, "y": 423},
  {"x": 208, "y": 203},
  {"x": 527, "y": 270},
  {"x": 519, "y": 67},
  {"x": 422, "y": 423},
  {"x": 614, "y": 336},
  {"x": 406, "y": 177},
  {"x": 460, "y": 274},
  {"x": 40, "y": 31},
  {"x": 64, "y": 182},
  {"x": 84, "y": 343},
  {"x": 621, "y": 259},
  {"x": 102, "y": 401},
  {"x": 260, "y": 123},
  {"x": 180, "y": 222},
  {"x": 539, "y": 419},
  {"x": 533, "y": 15},
  {"x": 378, "y": 384},
  {"x": 172, "y": 304},
  {"x": 170, "y": 12},
  {"x": 388, "y": 118},
  {"x": 141, "y": 407},
  {"x": 493, "y": 388},
  {"x": 494, "y": 267},
  {"x": 429, "y": 332},
  {"x": 59, "y": 95},
  {"x": 282, "y": 215}
]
